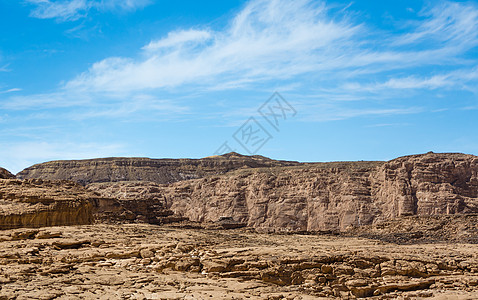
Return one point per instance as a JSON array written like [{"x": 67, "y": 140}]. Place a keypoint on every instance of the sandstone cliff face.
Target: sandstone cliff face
[
  {"x": 37, "y": 203},
  {"x": 4, "y": 174},
  {"x": 145, "y": 169},
  {"x": 325, "y": 197},
  {"x": 276, "y": 196},
  {"x": 134, "y": 202},
  {"x": 429, "y": 184},
  {"x": 331, "y": 196}
]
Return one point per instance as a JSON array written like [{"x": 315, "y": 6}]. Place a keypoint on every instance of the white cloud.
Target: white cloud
[
  {"x": 48, "y": 100},
  {"x": 267, "y": 39},
  {"x": 326, "y": 113},
  {"x": 449, "y": 23},
  {"x": 77, "y": 107},
  {"x": 5, "y": 68},
  {"x": 277, "y": 40},
  {"x": 451, "y": 79},
  {"x": 145, "y": 106},
  {"x": 10, "y": 91},
  {"x": 178, "y": 39},
  {"x": 266, "y": 44},
  {"x": 71, "y": 10}
]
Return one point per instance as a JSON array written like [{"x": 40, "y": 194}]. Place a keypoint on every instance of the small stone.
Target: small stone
[
  {"x": 146, "y": 253},
  {"x": 326, "y": 269}
]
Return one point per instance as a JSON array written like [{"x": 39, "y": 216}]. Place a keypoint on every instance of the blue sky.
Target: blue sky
[{"x": 366, "y": 80}]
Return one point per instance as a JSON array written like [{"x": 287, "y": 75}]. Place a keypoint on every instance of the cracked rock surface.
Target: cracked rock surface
[{"x": 141, "y": 261}]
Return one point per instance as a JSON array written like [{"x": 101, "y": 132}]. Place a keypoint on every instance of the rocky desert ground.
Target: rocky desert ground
[
  {"x": 241, "y": 227},
  {"x": 143, "y": 261}
]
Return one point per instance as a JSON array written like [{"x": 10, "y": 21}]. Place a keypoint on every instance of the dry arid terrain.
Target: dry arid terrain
[
  {"x": 241, "y": 227},
  {"x": 141, "y": 261}
]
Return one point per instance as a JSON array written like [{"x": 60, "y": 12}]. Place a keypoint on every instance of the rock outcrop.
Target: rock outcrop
[
  {"x": 461, "y": 228},
  {"x": 145, "y": 169},
  {"x": 428, "y": 184},
  {"x": 5, "y": 174},
  {"x": 37, "y": 203},
  {"x": 273, "y": 195},
  {"x": 329, "y": 196},
  {"x": 132, "y": 202}
]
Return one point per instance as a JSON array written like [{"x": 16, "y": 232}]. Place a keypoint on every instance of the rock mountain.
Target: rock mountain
[
  {"x": 145, "y": 169},
  {"x": 271, "y": 195}
]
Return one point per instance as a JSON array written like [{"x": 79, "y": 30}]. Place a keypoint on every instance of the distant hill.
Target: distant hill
[
  {"x": 5, "y": 174},
  {"x": 161, "y": 171}
]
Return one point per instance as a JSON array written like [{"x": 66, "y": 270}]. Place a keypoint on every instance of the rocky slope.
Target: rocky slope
[
  {"x": 4, "y": 174},
  {"x": 36, "y": 203},
  {"x": 329, "y": 196},
  {"x": 145, "y": 169}
]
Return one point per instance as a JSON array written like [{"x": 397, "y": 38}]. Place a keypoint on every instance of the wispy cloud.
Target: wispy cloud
[
  {"x": 58, "y": 99},
  {"x": 387, "y": 125},
  {"x": 79, "y": 107},
  {"x": 269, "y": 43},
  {"x": 463, "y": 78},
  {"x": 179, "y": 38},
  {"x": 447, "y": 23},
  {"x": 278, "y": 40},
  {"x": 266, "y": 40},
  {"x": 326, "y": 113},
  {"x": 143, "y": 105},
  {"x": 10, "y": 91},
  {"x": 71, "y": 10},
  {"x": 5, "y": 68}
]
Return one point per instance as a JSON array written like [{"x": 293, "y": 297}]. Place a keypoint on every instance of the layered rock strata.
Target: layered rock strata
[
  {"x": 329, "y": 196},
  {"x": 284, "y": 196},
  {"x": 37, "y": 203},
  {"x": 133, "y": 202},
  {"x": 145, "y": 169}
]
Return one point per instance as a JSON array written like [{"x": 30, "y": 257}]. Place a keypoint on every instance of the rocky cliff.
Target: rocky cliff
[
  {"x": 133, "y": 201},
  {"x": 428, "y": 184},
  {"x": 329, "y": 196},
  {"x": 145, "y": 169},
  {"x": 274, "y": 195},
  {"x": 37, "y": 203}
]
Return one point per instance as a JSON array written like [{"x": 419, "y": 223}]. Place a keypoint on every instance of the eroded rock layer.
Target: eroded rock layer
[
  {"x": 132, "y": 202},
  {"x": 329, "y": 196},
  {"x": 422, "y": 229},
  {"x": 37, "y": 203},
  {"x": 145, "y": 169},
  {"x": 275, "y": 195}
]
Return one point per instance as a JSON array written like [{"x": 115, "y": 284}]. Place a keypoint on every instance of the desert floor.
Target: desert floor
[{"x": 138, "y": 261}]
